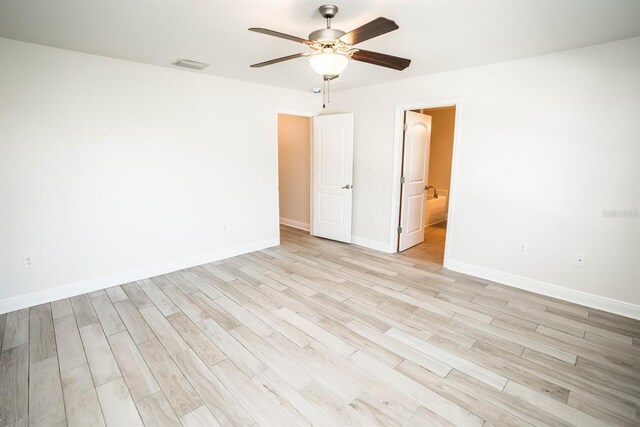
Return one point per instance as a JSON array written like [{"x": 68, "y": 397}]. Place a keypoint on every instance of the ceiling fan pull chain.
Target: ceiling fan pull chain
[{"x": 324, "y": 93}]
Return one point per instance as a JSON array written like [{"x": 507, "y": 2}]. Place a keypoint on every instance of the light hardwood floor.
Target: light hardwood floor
[{"x": 315, "y": 332}]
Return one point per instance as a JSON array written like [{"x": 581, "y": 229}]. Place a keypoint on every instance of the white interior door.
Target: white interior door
[
  {"x": 332, "y": 176},
  {"x": 415, "y": 171}
]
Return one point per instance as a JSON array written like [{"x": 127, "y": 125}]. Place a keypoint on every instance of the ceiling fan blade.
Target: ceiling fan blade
[
  {"x": 381, "y": 59},
  {"x": 372, "y": 29},
  {"x": 280, "y": 35},
  {"x": 282, "y": 59}
]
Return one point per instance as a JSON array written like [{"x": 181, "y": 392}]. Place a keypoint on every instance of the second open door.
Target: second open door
[
  {"x": 415, "y": 170},
  {"x": 332, "y": 185}
]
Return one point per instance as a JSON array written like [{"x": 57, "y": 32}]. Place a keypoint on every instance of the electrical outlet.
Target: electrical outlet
[
  {"x": 374, "y": 220},
  {"x": 522, "y": 250},
  {"x": 225, "y": 226},
  {"x": 27, "y": 261},
  {"x": 580, "y": 259}
]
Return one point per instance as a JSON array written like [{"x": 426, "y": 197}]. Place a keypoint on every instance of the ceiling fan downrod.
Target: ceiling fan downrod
[{"x": 328, "y": 11}]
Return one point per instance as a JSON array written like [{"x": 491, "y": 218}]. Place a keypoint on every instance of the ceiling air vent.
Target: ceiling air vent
[{"x": 187, "y": 63}]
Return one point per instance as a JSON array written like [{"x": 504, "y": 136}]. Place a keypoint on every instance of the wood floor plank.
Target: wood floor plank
[
  {"x": 424, "y": 417},
  {"x": 14, "y": 385},
  {"x": 201, "y": 417},
  {"x": 220, "y": 274},
  {"x": 108, "y": 316},
  {"x": 224, "y": 407},
  {"x": 520, "y": 339},
  {"x": 278, "y": 363},
  {"x": 181, "y": 283},
  {"x": 487, "y": 376},
  {"x": 432, "y": 401},
  {"x": 273, "y": 385},
  {"x": 137, "y": 375},
  {"x": 136, "y": 325},
  {"x": 102, "y": 364},
  {"x": 116, "y": 294},
  {"x": 381, "y": 353},
  {"x": 401, "y": 349},
  {"x": 196, "y": 339},
  {"x": 155, "y": 410},
  {"x": 607, "y": 410},
  {"x": 97, "y": 293},
  {"x": 16, "y": 330},
  {"x": 244, "y": 317},
  {"x": 169, "y": 337},
  {"x": 278, "y": 324},
  {"x": 486, "y": 395},
  {"x": 46, "y": 405},
  {"x": 199, "y": 283},
  {"x": 83, "y": 310},
  {"x": 81, "y": 400},
  {"x": 160, "y": 300},
  {"x": 186, "y": 305},
  {"x": 117, "y": 405},
  {"x": 235, "y": 351},
  {"x": 561, "y": 411},
  {"x": 68, "y": 343},
  {"x": 42, "y": 338},
  {"x": 214, "y": 311},
  {"x": 256, "y": 403},
  {"x": 61, "y": 308},
  {"x": 136, "y": 295},
  {"x": 178, "y": 391},
  {"x": 316, "y": 332}
]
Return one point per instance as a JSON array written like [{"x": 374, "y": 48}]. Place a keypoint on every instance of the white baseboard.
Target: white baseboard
[
  {"x": 371, "y": 244},
  {"x": 583, "y": 298},
  {"x": 295, "y": 224},
  {"x": 78, "y": 288}
]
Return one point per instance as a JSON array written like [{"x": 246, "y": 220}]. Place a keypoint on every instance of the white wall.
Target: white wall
[
  {"x": 294, "y": 170},
  {"x": 545, "y": 144},
  {"x": 112, "y": 170}
]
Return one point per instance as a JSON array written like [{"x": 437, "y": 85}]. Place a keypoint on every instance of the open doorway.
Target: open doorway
[
  {"x": 294, "y": 170},
  {"x": 427, "y": 157}
]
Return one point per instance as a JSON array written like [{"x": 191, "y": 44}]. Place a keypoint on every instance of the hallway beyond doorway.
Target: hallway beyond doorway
[{"x": 432, "y": 249}]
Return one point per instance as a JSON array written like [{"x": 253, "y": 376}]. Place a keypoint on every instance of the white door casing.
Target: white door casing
[
  {"x": 415, "y": 171},
  {"x": 332, "y": 176}
]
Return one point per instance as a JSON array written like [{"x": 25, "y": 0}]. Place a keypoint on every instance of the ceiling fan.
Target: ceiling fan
[{"x": 331, "y": 49}]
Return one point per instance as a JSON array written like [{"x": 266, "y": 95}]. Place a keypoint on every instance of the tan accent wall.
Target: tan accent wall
[
  {"x": 441, "y": 152},
  {"x": 294, "y": 170}
]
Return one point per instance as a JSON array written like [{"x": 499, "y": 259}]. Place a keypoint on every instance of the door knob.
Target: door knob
[{"x": 347, "y": 187}]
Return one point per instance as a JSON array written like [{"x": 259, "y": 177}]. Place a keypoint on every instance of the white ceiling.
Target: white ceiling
[{"x": 438, "y": 35}]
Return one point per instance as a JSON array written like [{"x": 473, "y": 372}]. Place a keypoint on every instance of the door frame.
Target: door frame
[
  {"x": 290, "y": 112},
  {"x": 397, "y": 168}
]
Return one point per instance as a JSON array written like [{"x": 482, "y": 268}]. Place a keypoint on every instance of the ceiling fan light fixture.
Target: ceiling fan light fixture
[{"x": 328, "y": 63}]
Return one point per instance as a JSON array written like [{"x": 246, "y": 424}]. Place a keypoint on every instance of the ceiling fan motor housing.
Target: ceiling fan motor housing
[{"x": 326, "y": 35}]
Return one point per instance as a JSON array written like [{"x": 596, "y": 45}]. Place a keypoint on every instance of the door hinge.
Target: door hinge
[
  {"x": 399, "y": 230},
  {"x": 402, "y": 180},
  {"x": 405, "y": 127}
]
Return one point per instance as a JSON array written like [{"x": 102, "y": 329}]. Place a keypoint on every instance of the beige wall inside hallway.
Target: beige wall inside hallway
[
  {"x": 441, "y": 149},
  {"x": 294, "y": 171}
]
